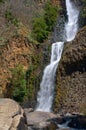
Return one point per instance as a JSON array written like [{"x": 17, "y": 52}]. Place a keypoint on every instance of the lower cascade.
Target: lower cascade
[{"x": 45, "y": 95}]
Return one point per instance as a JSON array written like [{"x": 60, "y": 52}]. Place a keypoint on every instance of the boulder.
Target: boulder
[
  {"x": 40, "y": 120},
  {"x": 11, "y": 115}
]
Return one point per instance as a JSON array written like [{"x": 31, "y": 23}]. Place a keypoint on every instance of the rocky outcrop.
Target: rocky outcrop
[
  {"x": 11, "y": 115},
  {"x": 39, "y": 120},
  {"x": 18, "y": 50},
  {"x": 71, "y": 77}
]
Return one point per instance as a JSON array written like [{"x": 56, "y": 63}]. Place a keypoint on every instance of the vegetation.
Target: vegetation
[
  {"x": 84, "y": 8},
  {"x": 44, "y": 24},
  {"x": 18, "y": 84},
  {"x": 32, "y": 77},
  {"x": 40, "y": 29},
  {"x": 60, "y": 95},
  {"x": 1, "y": 1},
  {"x": 83, "y": 13},
  {"x": 50, "y": 15},
  {"x": 10, "y": 18},
  {"x": 23, "y": 85}
]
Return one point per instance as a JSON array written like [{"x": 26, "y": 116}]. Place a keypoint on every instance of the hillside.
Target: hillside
[{"x": 22, "y": 57}]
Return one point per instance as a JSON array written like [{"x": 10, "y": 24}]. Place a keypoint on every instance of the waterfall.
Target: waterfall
[
  {"x": 45, "y": 95},
  {"x": 71, "y": 26}
]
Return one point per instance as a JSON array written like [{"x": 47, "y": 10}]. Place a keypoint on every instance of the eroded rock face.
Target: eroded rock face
[
  {"x": 17, "y": 51},
  {"x": 71, "y": 77},
  {"x": 11, "y": 115}
]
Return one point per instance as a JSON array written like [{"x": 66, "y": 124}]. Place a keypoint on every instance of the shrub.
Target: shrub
[
  {"x": 44, "y": 24},
  {"x": 40, "y": 32},
  {"x": 11, "y": 18},
  {"x": 50, "y": 15},
  {"x": 18, "y": 83}
]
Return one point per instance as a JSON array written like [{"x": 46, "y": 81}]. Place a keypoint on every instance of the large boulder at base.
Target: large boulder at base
[
  {"x": 39, "y": 120},
  {"x": 11, "y": 115}
]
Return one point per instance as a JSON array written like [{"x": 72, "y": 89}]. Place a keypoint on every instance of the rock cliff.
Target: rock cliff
[
  {"x": 71, "y": 77},
  {"x": 18, "y": 51},
  {"x": 16, "y": 44}
]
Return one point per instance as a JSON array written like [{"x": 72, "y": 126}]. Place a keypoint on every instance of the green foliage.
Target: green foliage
[
  {"x": 50, "y": 15},
  {"x": 18, "y": 83},
  {"x": 1, "y": 1},
  {"x": 11, "y": 18},
  {"x": 44, "y": 24},
  {"x": 33, "y": 78},
  {"x": 84, "y": 8},
  {"x": 40, "y": 32},
  {"x": 32, "y": 40}
]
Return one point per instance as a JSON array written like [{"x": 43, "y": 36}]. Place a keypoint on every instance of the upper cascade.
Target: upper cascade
[{"x": 71, "y": 27}]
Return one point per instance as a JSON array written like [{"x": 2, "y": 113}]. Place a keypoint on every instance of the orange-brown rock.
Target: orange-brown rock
[
  {"x": 56, "y": 2},
  {"x": 18, "y": 50}
]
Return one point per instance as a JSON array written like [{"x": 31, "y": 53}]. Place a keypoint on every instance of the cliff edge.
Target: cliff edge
[{"x": 71, "y": 77}]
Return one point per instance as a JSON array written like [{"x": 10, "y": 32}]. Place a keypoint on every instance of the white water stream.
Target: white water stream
[
  {"x": 71, "y": 26},
  {"x": 46, "y": 93}
]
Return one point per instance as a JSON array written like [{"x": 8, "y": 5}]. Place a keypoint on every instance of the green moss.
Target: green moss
[
  {"x": 17, "y": 84},
  {"x": 44, "y": 24},
  {"x": 40, "y": 32}
]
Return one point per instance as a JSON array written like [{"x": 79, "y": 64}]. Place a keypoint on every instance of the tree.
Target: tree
[
  {"x": 18, "y": 83},
  {"x": 50, "y": 15},
  {"x": 40, "y": 32},
  {"x": 44, "y": 24}
]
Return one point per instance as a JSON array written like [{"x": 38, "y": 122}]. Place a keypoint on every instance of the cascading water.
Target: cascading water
[
  {"x": 71, "y": 26},
  {"x": 45, "y": 95}
]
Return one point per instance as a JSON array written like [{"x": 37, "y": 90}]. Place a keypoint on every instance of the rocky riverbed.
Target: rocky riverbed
[{"x": 13, "y": 117}]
